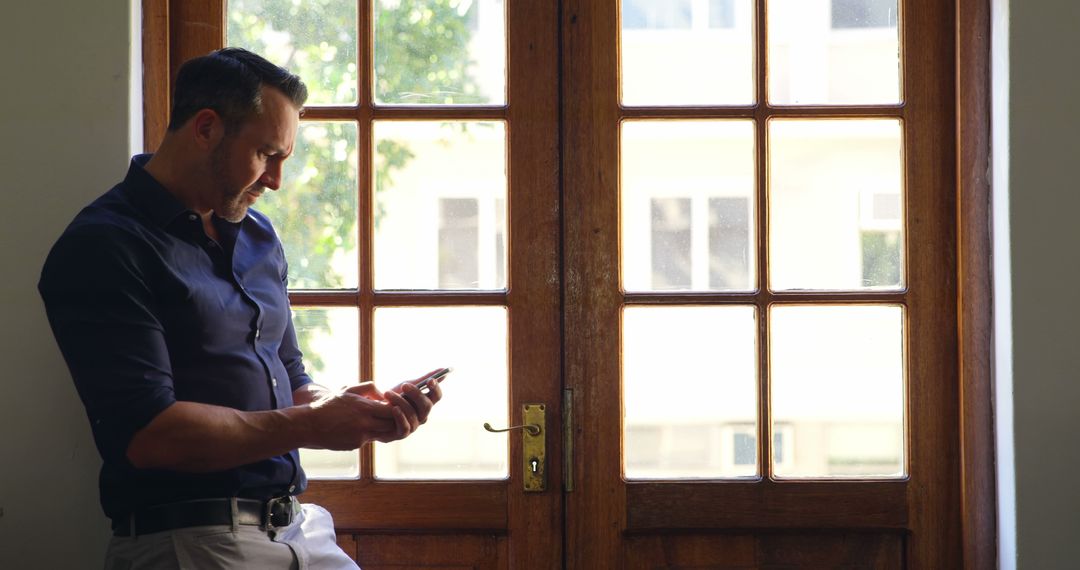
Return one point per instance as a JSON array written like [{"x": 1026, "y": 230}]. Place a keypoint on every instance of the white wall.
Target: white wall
[
  {"x": 1044, "y": 185},
  {"x": 65, "y": 139},
  {"x": 65, "y": 124}
]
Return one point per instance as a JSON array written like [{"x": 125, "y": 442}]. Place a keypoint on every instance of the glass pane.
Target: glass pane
[
  {"x": 838, "y": 390},
  {"x": 314, "y": 213},
  {"x": 453, "y": 443},
  {"x": 315, "y": 39},
  {"x": 833, "y": 52},
  {"x": 705, "y": 358},
  {"x": 330, "y": 340},
  {"x": 440, "y": 52},
  {"x": 670, "y": 249},
  {"x": 686, "y": 52},
  {"x": 688, "y": 205},
  {"x": 836, "y": 204},
  {"x": 440, "y": 200}
]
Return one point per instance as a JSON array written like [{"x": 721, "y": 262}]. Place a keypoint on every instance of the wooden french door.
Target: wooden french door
[
  {"x": 432, "y": 167},
  {"x": 655, "y": 294},
  {"x": 815, "y": 425}
]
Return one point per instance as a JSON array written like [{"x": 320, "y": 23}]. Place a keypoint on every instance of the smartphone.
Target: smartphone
[{"x": 436, "y": 376}]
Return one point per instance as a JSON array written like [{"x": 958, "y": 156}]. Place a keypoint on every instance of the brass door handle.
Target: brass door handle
[
  {"x": 533, "y": 429},
  {"x": 533, "y": 450}
]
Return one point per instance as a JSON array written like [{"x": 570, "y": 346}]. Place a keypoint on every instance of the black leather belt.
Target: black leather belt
[{"x": 269, "y": 515}]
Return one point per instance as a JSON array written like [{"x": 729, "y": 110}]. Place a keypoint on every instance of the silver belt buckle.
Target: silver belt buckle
[{"x": 269, "y": 514}]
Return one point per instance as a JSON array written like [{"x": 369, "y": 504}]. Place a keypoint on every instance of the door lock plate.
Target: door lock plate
[{"x": 533, "y": 449}]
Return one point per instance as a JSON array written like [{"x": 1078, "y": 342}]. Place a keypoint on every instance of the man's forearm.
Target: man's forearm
[
  {"x": 308, "y": 393},
  {"x": 200, "y": 438}
]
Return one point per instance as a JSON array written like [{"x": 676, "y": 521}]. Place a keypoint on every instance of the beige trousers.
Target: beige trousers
[{"x": 308, "y": 543}]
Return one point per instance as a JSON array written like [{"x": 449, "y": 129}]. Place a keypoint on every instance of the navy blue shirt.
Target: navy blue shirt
[{"x": 148, "y": 310}]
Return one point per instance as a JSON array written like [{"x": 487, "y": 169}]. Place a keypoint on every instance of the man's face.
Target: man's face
[{"x": 248, "y": 161}]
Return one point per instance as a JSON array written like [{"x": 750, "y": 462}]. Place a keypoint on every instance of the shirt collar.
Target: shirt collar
[{"x": 149, "y": 196}]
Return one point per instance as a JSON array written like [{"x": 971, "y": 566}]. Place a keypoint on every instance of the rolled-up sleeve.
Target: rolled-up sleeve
[
  {"x": 289, "y": 352},
  {"x": 292, "y": 358},
  {"x": 100, "y": 305}
]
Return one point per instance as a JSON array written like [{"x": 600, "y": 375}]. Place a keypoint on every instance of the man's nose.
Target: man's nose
[{"x": 271, "y": 178}]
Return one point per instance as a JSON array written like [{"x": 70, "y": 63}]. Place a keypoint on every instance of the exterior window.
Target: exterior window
[
  {"x": 677, "y": 14},
  {"x": 721, "y": 13},
  {"x": 500, "y": 241},
  {"x": 863, "y": 14},
  {"x": 729, "y": 243},
  {"x": 470, "y": 231},
  {"x": 459, "y": 236},
  {"x": 671, "y": 262},
  {"x": 674, "y": 253},
  {"x": 654, "y": 15},
  {"x": 649, "y": 438},
  {"x": 744, "y": 445},
  {"x": 880, "y": 258},
  {"x": 881, "y": 239}
]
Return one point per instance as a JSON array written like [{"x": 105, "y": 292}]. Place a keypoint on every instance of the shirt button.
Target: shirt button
[
  {"x": 273, "y": 382},
  {"x": 192, "y": 217},
  {"x": 292, "y": 488},
  {"x": 258, "y": 333}
]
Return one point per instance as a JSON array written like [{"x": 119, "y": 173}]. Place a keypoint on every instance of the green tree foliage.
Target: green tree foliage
[
  {"x": 420, "y": 57},
  {"x": 420, "y": 52}
]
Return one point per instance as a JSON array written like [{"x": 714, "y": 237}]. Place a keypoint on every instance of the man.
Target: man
[{"x": 167, "y": 297}]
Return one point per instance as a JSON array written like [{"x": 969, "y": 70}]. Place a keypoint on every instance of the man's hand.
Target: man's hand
[
  {"x": 345, "y": 421},
  {"x": 413, "y": 403}
]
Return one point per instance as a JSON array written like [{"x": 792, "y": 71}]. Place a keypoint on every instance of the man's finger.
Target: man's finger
[
  {"x": 406, "y": 407},
  {"x": 420, "y": 402},
  {"x": 374, "y": 408},
  {"x": 366, "y": 390},
  {"x": 434, "y": 392},
  {"x": 403, "y": 423}
]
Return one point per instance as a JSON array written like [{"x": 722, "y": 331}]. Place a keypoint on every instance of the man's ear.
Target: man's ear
[{"x": 207, "y": 128}]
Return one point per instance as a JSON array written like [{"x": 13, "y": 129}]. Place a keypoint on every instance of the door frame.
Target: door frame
[
  {"x": 975, "y": 286},
  {"x": 974, "y": 246}
]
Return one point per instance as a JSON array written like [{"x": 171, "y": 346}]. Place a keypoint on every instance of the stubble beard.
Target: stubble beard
[{"x": 231, "y": 206}]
